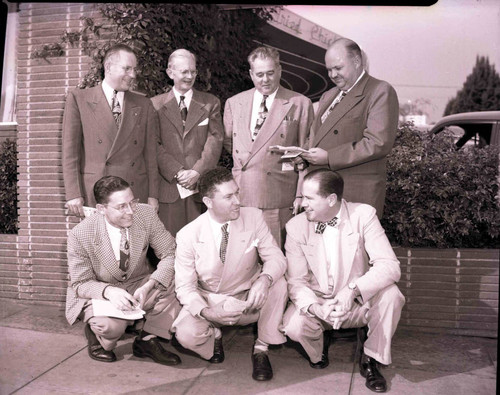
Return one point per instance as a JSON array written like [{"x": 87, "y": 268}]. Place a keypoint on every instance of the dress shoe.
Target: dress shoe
[
  {"x": 262, "y": 370},
  {"x": 324, "y": 362},
  {"x": 95, "y": 349},
  {"x": 218, "y": 356},
  {"x": 368, "y": 367},
  {"x": 153, "y": 349}
]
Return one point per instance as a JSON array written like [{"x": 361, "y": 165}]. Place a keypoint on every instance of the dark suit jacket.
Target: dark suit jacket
[
  {"x": 198, "y": 147},
  {"x": 257, "y": 170},
  {"x": 93, "y": 147},
  {"x": 92, "y": 264},
  {"x": 358, "y": 135}
]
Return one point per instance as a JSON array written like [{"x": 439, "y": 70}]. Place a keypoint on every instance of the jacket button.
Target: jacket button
[
  {"x": 234, "y": 134},
  {"x": 268, "y": 173},
  {"x": 282, "y": 135},
  {"x": 135, "y": 142},
  {"x": 132, "y": 184},
  {"x": 99, "y": 141},
  {"x": 335, "y": 131},
  {"x": 132, "y": 164},
  {"x": 107, "y": 163},
  {"x": 236, "y": 151}
]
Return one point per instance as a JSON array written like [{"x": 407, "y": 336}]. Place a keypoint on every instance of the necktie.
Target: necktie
[
  {"x": 116, "y": 109},
  {"x": 124, "y": 250},
  {"x": 223, "y": 242},
  {"x": 184, "y": 111},
  {"x": 334, "y": 103},
  {"x": 321, "y": 226},
  {"x": 261, "y": 118}
]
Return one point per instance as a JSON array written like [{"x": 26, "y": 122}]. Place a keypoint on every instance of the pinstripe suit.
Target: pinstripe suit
[{"x": 93, "y": 266}]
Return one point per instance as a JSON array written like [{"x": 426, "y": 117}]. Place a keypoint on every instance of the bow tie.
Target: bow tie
[{"x": 321, "y": 226}]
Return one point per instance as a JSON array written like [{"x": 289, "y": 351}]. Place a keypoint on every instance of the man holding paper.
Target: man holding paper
[
  {"x": 107, "y": 262},
  {"x": 190, "y": 141},
  {"x": 219, "y": 280}
]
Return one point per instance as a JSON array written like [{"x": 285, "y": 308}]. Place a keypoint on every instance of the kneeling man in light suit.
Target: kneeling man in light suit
[
  {"x": 342, "y": 273},
  {"x": 219, "y": 279}
]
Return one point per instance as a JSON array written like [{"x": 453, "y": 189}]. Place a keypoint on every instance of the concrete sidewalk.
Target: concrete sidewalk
[{"x": 41, "y": 354}]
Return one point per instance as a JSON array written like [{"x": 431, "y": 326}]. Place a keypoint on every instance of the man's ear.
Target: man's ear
[
  {"x": 169, "y": 73},
  {"x": 332, "y": 199},
  {"x": 207, "y": 201},
  {"x": 100, "y": 208}
]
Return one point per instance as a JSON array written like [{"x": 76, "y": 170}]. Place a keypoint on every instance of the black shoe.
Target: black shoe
[
  {"x": 368, "y": 367},
  {"x": 262, "y": 370},
  {"x": 95, "y": 349},
  {"x": 324, "y": 362},
  {"x": 153, "y": 349},
  {"x": 218, "y": 356}
]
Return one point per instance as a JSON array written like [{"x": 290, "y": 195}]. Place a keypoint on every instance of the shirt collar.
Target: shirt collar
[
  {"x": 108, "y": 92},
  {"x": 187, "y": 96},
  {"x": 270, "y": 98},
  {"x": 360, "y": 76}
]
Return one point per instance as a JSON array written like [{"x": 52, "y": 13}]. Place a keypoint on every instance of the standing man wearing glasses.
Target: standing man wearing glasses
[
  {"x": 108, "y": 130},
  {"x": 191, "y": 134},
  {"x": 107, "y": 261}
]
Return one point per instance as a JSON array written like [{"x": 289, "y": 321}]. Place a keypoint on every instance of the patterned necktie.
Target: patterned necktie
[
  {"x": 116, "y": 109},
  {"x": 124, "y": 250},
  {"x": 184, "y": 111},
  {"x": 321, "y": 226},
  {"x": 223, "y": 242},
  {"x": 261, "y": 118},
  {"x": 334, "y": 103}
]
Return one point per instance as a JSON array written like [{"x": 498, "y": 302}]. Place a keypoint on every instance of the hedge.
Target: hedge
[{"x": 8, "y": 187}]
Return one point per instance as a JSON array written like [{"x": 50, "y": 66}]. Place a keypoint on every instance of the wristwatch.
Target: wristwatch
[{"x": 353, "y": 287}]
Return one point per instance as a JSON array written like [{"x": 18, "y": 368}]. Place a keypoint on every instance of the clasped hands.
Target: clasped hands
[
  {"x": 123, "y": 300},
  {"x": 335, "y": 311},
  {"x": 257, "y": 297},
  {"x": 187, "y": 178}
]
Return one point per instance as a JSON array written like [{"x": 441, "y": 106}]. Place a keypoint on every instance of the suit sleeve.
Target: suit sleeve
[
  {"x": 228, "y": 127},
  {"x": 297, "y": 273},
  {"x": 384, "y": 266},
  {"x": 186, "y": 277},
  {"x": 306, "y": 120},
  {"x": 82, "y": 276},
  {"x": 163, "y": 244},
  {"x": 379, "y": 131},
  {"x": 152, "y": 133},
  {"x": 72, "y": 138},
  {"x": 213, "y": 146}
]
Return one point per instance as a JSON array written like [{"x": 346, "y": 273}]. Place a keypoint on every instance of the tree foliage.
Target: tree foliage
[
  {"x": 8, "y": 187},
  {"x": 438, "y": 196},
  {"x": 480, "y": 92}
]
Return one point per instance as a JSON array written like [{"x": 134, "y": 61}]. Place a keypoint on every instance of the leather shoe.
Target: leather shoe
[
  {"x": 324, "y": 362},
  {"x": 218, "y": 356},
  {"x": 95, "y": 349},
  {"x": 368, "y": 367},
  {"x": 153, "y": 349},
  {"x": 262, "y": 370}
]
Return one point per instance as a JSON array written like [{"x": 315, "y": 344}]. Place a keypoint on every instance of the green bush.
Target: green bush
[
  {"x": 440, "y": 197},
  {"x": 8, "y": 187}
]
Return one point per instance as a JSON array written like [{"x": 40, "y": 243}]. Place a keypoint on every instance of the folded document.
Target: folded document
[{"x": 106, "y": 309}]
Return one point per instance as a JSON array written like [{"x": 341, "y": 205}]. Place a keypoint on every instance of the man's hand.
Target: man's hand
[
  {"x": 188, "y": 178},
  {"x": 141, "y": 293},
  {"x": 153, "y": 202},
  {"x": 337, "y": 317},
  {"x": 345, "y": 299},
  {"x": 120, "y": 298},
  {"x": 75, "y": 207},
  {"x": 218, "y": 315},
  {"x": 258, "y": 293},
  {"x": 316, "y": 156},
  {"x": 322, "y": 310},
  {"x": 296, "y": 205}
]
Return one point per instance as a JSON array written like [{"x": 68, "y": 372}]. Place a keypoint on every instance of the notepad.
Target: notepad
[{"x": 104, "y": 308}]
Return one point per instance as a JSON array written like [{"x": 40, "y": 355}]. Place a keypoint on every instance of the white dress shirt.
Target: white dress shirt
[
  {"x": 187, "y": 97},
  {"x": 108, "y": 92},
  {"x": 115, "y": 237},
  {"x": 217, "y": 231}
]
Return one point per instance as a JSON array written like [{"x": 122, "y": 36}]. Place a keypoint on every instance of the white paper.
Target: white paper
[
  {"x": 290, "y": 149},
  {"x": 184, "y": 192},
  {"x": 106, "y": 309},
  {"x": 230, "y": 303},
  {"x": 88, "y": 211}
]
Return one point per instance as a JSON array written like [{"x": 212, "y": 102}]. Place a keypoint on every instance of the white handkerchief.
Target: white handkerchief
[
  {"x": 254, "y": 244},
  {"x": 88, "y": 211},
  {"x": 204, "y": 122}
]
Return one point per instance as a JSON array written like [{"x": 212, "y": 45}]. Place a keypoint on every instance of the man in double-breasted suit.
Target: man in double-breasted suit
[
  {"x": 355, "y": 126},
  {"x": 342, "y": 272},
  {"x": 107, "y": 260},
  {"x": 256, "y": 119},
  {"x": 219, "y": 279},
  {"x": 108, "y": 130},
  {"x": 188, "y": 147}
]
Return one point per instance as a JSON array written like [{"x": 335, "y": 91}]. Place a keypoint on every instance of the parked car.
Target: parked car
[{"x": 479, "y": 128}]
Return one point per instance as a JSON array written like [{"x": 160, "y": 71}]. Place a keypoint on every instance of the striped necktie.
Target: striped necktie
[
  {"x": 116, "y": 109},
  {"x": 261, "y": 118},
  {"x": 334, "y": 103},
  {"x": 184, "y": 111}
]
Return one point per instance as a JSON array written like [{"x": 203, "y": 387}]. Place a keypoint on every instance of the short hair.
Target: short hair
[
  {"x": 329, "y": 182},
  {"x": 264, "y": 53},
  {"x": 113, "y": 50},
  {"x": 180, "y": 53},
  {"x": 108, "y": 185},
  {"x": 350, "y": 46},
  {"x": 208, "y": 182}
]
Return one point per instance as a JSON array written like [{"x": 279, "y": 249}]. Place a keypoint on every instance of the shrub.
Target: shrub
[
  {"x": 440, "y": 197},
  {"x": 8, "y": 187}
]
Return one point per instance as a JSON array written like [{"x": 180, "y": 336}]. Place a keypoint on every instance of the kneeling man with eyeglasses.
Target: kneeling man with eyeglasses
[
  {"x": 107, "y": 261},
  {"x": 342, "y": 273}
]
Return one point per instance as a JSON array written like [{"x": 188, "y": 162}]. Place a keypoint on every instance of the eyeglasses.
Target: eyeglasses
[
  {"x": 122, "y": 208},
  {"x": 127, "y": 69},
  {"x": 186, "y": 73}
]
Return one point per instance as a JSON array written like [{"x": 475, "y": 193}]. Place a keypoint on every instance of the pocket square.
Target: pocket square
[
  {"x": 254, "y": 244},
  {"x": 204, "y": 122}
]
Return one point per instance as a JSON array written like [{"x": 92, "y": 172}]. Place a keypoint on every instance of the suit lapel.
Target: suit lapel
[
  {"x": 316, "y": 256},
  {"x": 130, "y": 116},
  {"x": 195, "y": 112},
  {"x": 102, "y": 112},
  {"x": 243, "y": 122},
  {"x": 137, "y": 241},
  {"x": 348, "y": 246},
  {"x": 172, "y": 112},
  {"x": 104, "y": 250}
]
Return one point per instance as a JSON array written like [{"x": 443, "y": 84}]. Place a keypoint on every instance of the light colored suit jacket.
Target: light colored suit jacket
[
  {"x": 366, "y": 257},
  {"x": 198, "y": 147},
  {"x": 258, "y": 171},
  {"x": 199, "y": 270},
  {"x": 93, "y": 147},
  {"x": 93, "y": 266},
  {"x": 358, "y": 135}
]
